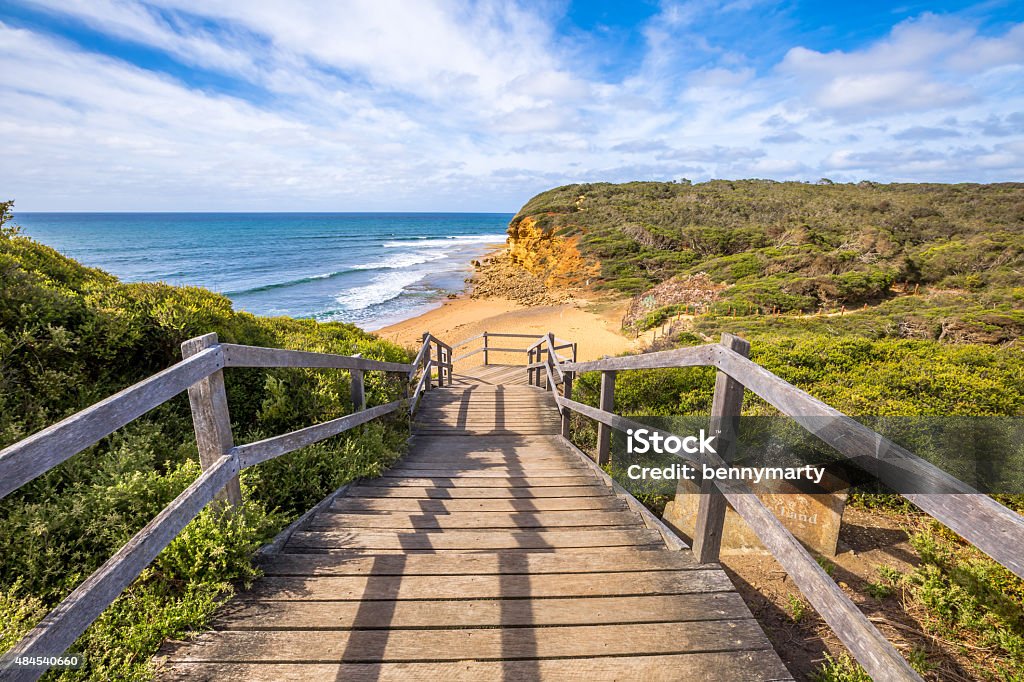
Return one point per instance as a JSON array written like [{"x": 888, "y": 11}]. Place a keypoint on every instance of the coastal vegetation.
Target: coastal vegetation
[
  {"x": 877, "y": 299},
  {"x": 71, "y": 335}
]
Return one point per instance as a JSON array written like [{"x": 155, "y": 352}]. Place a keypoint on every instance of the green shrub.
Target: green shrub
[{"x": 70, "y": 336}]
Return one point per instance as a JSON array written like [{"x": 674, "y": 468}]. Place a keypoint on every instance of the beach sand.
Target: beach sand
[{"x": 593, "y": 325}]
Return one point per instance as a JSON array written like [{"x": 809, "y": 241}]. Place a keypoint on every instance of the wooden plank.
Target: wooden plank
[
  {"x": 482, "y": 431},
  {"x": 69, "y": 619},
  {"x": 566, "y": 425},
  {"x": 45, "y": 449},
  {"x": 522, "y": 519},
  {"x": 236, "y": 355},
  {"x": 269, "y": 448},
  {"x": 245, "y": 614},
  {"x": 471, "y": 540},
  {"x": 751, "y": 666},
  {"x": 871, "y": 649},
  {"x": 726, "y": 406},
  {"x": 606, "y": 404},
  {"x": 211, "y": 419},
  {"x": 988, "y": 525},
  {"x": 427, "y": 491},
  {"x": 475, "y": 644},
  {"x": 358, "y": 387},
  {"x": 481, "y": 482},
  {"x": 695, "y": 356},
  {"x": 479, "y": 472},
  {"x": 358, "y": 505},
  {"x": 515, "y": 586},
  {"x": 547, "y": 459},
  {"x": 603, "y": 560}
]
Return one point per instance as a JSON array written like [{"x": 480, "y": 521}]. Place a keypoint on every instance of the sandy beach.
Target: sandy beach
[{"x": 593, "y": 325}]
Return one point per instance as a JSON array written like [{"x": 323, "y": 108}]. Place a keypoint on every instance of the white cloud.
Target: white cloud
[{"x": 396, "y": 105}]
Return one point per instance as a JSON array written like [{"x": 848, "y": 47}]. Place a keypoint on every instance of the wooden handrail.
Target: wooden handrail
[
  {"x": 269, "y": 448},
  {"x": 33, "y": 456},
  {"x": 40, "y": 452},
  {"x": 258, "y": 356},
  {"x": 979, "y": 519},
  {"x": 65, "y": 623}
]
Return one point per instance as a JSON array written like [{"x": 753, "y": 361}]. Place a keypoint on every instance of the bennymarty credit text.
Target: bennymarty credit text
[{"x": 644, "y": 441}]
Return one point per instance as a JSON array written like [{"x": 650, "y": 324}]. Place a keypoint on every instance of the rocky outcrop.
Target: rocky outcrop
[{"x": 555, "y": 259}]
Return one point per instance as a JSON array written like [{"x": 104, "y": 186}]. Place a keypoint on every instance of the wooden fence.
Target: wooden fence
[
  {"x": 200, "y": 373},
  {"x": 988, "y": 525}
]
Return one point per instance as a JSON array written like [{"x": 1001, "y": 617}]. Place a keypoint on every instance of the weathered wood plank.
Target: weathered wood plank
[
  {"x": 695, "y": 356},
  {"x": 269, "y": 448},
  {"x": 45, "y": 449},
  {"x": 751, "y": 666},
  {"x": 522, "y": 519},
  {"x": 606, "y": 403},
  {"x": 871, "y": 649},
  {"x": 604, "y": 560},
  {"x": 988, "y": 525},
  {"x": 432, "y": 492},
  {"x": 475, "y": 644},
  {"x": 245, "y": 614},
  {"x": 488, "y": 472},
  {"x": 359, "y": 505},
  {"x": 726, "y": 406},
  {"x": 211, "y": 419},
  {"x": 481, "y": 482},
  {"x": 471, "y": 540},
  {"x": 69, "y": 619},
  {"x": 236, "y": 355},
  {"x": 405, "y": 587}
]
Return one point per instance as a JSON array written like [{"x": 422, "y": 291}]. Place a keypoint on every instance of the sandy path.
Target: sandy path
[{"x": 593, "y": 327}]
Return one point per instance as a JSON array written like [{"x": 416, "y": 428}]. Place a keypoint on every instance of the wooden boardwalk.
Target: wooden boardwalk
[{"x": 493, "y": 550}]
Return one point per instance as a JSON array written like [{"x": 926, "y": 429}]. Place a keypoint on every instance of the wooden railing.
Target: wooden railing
[
  {"x": 988, "y": 525},
  {"x": 486, "y": 348},
  {"x": 433, "y": 354},
  {"x": 200, "y": 373}
]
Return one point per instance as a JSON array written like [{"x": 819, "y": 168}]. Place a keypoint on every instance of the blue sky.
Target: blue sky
[{"x": 464, "y": 106}]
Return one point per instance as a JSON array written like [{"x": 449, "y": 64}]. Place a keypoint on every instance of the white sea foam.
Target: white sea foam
[
  {"x": 445, "y": 242},
  {"x": 401, "y": 260},
  {"x": 383, "y": 288}
]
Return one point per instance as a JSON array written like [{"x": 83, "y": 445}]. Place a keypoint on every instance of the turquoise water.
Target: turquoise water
[{"x": 368, "y": 268}]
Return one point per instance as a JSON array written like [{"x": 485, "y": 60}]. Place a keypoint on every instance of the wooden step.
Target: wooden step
[
  {"x": 482, "y": 481},
  {"x": 373, "y": 587},
  {"x": 427, "y": 491},
  {"x": 361, "y": 505},
  {"x": 750, "y": 666},
  {"x": 469, "y": 540},
  {"x": 528, "y": 519},
  {"x": 249, "y": 614},
  {"x": 486, "y": 472},
  {"x": 503, "y": 644},
  {"x": 604, "y": 560}
]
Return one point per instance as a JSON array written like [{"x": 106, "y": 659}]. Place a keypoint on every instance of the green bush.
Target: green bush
[{"x": 72, "y": 335}]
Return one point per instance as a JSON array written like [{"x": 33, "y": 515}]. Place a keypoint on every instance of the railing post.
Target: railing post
[
  {"x": 529, "y": 370},
  {"x": 567, "y": 394},
  {"x": 607, "y": 403},
  {"x": 426, "y": 362},
  {"x": 358, "y": 387},
  {"x": 210, "y": 417},
  {"x": 724, "y": 424},
  {"x": 485, "y": 348}
]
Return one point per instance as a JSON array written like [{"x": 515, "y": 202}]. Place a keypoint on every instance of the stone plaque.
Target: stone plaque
[{"x": 812, "y": 518}]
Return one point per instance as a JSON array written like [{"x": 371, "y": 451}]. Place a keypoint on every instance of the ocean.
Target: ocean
[{"x": 371, "y": 269}]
